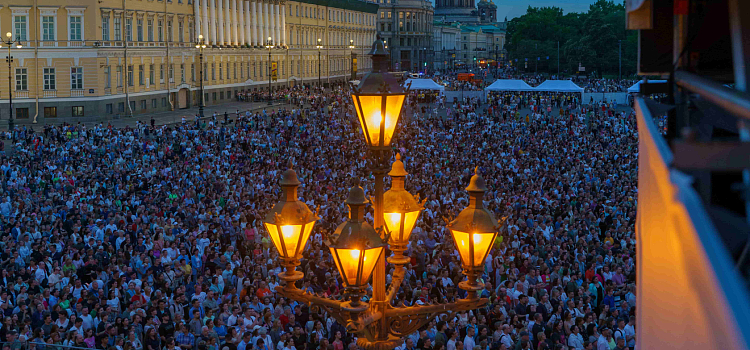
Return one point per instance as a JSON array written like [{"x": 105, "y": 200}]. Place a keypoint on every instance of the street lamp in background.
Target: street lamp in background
[
  {"x": 200, "y": 45},
  {"x": 351, "y": 53},
  {"x": 10, "y": 42},
  {"x": 320, "y": 47},
  {"x": 269, "y": 46},
  {"x": 359, "y": 249}
]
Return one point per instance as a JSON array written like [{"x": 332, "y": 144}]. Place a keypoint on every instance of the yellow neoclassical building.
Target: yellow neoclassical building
[{"x": 114, "y": 58}]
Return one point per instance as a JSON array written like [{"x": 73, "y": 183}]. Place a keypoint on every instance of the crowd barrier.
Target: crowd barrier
[{"x": 620, "y": 97}]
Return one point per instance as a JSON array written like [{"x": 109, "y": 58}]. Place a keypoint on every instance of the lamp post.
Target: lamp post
[
  {"x": 351, "y": 53},
  {"x": 319, "y": 47},
  {"x": 10, "y": 42},
  {"x": 200, "y": 45},
  {"x": 358, "y": 249},
  {"x": 269, "y": 46}
]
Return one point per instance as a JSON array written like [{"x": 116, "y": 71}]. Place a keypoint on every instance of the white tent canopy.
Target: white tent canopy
[
  {"x": 424, "y": 84},
  {"x": 559, "y": 86},
  {"x": 509, "y": 85},
  {"x": 637, "y": 86}
]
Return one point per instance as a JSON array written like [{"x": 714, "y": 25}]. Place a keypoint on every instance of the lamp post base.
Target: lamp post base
[{"x": 11, "y": 124}]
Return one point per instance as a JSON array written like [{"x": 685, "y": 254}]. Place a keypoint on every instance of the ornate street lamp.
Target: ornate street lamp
[
  {"x": 10, "y": 42},
  {"x": 200, "y": 45},
  {"x": 289, "y": 224},
  {"x": 401, "y": 211},
  {"x": 351, "y": 54},
  {"x": 474, "y": 230},
  {"x": 358, "y": 248},
  {"x": 269, "y": 46},
  {"x": 319, "y": 47}
]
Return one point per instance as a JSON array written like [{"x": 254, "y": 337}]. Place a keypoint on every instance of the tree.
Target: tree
[{"x": 591, "y": 39}]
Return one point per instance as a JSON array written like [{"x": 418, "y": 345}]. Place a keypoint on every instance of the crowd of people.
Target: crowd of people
[{"x": 150, "y": 238}]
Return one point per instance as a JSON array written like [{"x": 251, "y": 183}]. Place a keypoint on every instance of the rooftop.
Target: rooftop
[{"x": 352, "y": 5}]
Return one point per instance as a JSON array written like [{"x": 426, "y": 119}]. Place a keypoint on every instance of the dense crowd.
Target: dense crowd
[{"x": 150, "y": 238}]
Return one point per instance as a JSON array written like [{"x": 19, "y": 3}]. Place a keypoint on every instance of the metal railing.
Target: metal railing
[{"x": 49, "y": 93}]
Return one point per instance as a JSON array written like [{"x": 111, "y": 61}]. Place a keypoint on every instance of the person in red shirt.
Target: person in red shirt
[{"x": 263, "y": 291}]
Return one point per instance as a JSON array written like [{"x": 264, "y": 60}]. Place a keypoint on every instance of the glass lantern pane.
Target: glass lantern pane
[
  {"x": 392, "y": 113},
  {"x": 482, "y": 244},
  {"x": 273, "y": 232},
  {"x": 393, "y": 222},
  {"x": 290, "y": 234},
  {"x": 370, "y": 116},
  {"x": 306, "y": 236},
  {"x": 347, "y": 261}
]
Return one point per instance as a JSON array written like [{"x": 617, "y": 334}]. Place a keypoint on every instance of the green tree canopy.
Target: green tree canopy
[{"x": 591, "y": 39}]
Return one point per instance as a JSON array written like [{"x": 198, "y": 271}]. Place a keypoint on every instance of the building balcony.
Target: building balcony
[
  {"x": 108, "y": 91},
  {"x": 49, "y": 93},
  {"x": 76, "y": 92},
  {"x": 21, "y": 94}
]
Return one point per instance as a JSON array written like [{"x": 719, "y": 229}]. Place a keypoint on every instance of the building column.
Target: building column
[
  {"x": 267, "y": 19},
  {"x": 204, "y": 5},
  {"x": 227, "y": 24},
  {"x": 198, "y": 19},
  {"x": 253, "y": 23},
  {"x": 246, "y": 28},
  {"x": 261, "y": 25},
  {"x": 214, "y": 23},
  {"x": 275, "y": 23},
  {"x": 241, "y": 26},
  {"x": 220, "y": 21},
  {"x": 283, "y": 26},
  {"x": 235, "y": 23}
]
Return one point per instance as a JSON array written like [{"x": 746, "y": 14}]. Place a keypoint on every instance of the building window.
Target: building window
[
  {"x": 50, "y": 112},
  {"x": 128, "y": 29},
  {"x": 182, "y": 72},
  {"x": 121, "y": 107},
  {"x": 180, "y": 33},
  {"x": 141, "y": 75},
  {"x": 140, "y": 29},
  {"x": 76, "y": 78},
  {"x": 150, "y": 29},
  {"x": 151, "y": 73},
  {"x": 22, "y": 113},
  {"x": 213, "y": 96},
  {"x": 160, "y": 29},
  {"x": 78, "y": 111},
  {"x": 107, "y": 77},
  {"x": 118, "y": 29},
  {"x": 49, "y": 79},
  {"x": 22, "y": 82},
  {"x": 143, "y": 104},
  {"x": 221, "y": 95},
  {"x": 48, "y": 28},
  {"x": 19, "y": 26},
  {"x": 161, "y": 73},
  {"x": 192, "y": 72},
  {"x": 171, "y": 73},
  {"x": 153, "y": 103},
  {"x": 221, "y": 72},
  {"x": 191, "y": 34},
  {"x": 132, "y": 106},
  {"x": 131, "y": 80},
  {"x": 119, "y": 76},
  {"x": 75, "y": 28},
  {"x": 169, "y": 30},
  {"x": 213, "y": 71},
  {"x": 163, "y": 101}
]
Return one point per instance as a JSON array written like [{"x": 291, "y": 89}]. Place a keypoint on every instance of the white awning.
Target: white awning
[{"x": 509, "y": 85}]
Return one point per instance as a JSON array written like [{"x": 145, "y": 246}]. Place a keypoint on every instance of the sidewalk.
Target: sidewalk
[{"x": 160, "y": 118}]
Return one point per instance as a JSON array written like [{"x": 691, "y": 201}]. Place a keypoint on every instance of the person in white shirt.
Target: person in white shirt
[
  {"x": 506, "y": 339},
  {"x": 451, "y": 344},
  {"x": 575, "y": 339},
  {"x": 603, "y": 342},
  {"x": 469, "y": 339}
]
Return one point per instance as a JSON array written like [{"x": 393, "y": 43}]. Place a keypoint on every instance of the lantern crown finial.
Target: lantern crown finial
[
  {"x": 289, "y": 178},
  {"x": 477, "y": 182},
  {"x": 356, "y": 195},
  {"x": 397, "y": 169}
]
